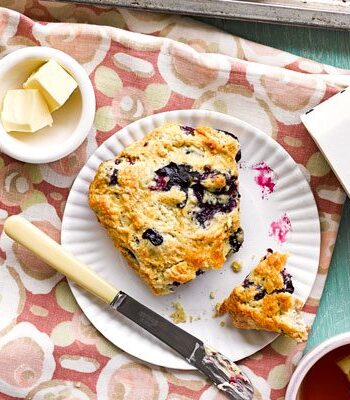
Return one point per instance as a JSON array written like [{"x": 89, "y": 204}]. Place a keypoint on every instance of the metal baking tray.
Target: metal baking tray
[{"x": 317, "y": 13}]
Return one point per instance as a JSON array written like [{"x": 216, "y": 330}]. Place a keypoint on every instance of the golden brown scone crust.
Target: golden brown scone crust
[
  {"x": 265, "y": 301},
  {"x": 170, "y": 229}
]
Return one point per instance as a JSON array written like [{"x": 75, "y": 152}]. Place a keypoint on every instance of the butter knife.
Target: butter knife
[{"x": 225, "y": 374}]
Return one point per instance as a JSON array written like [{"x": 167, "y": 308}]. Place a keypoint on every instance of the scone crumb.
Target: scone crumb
[
  {"x": 179, "y": 315},
  {"x": 77, "y": 384},
  {"x": 193, "y": 319},
  {"x": 222, "y": 324},
  {"x": 212, "y": 295},
  {"x": 216, "y": 310},
  {"x": 236, "y": 266}
]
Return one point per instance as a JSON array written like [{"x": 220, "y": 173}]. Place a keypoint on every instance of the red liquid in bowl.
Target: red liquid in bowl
[{"x": 325, "y": 380}]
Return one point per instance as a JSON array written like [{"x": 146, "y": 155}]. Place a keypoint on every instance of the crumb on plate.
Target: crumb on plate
[
  {"x": 216, "y": 310},
  {"x": 222, "y": 324},
  {"x": 236, "y": 266},
  {"x": 179, "y": 315},
  {"x": 212, "y": 295}
]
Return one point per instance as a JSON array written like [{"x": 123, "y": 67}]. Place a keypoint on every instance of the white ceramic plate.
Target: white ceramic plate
[{"x": 87, "y": 240}]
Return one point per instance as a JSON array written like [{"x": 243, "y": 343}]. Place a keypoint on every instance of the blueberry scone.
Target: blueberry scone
[
  {"x": 265, "y": 300},
  {"x": 170, "y": 203}
]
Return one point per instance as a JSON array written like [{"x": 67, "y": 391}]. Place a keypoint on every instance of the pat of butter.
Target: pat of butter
[
  {"x": 344, "y": 365},
  {"x": 24, "y": 111},
  {"x": 54, "y": 83}
]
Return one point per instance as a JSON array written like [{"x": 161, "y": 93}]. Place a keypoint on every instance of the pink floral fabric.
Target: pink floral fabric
[{"x": 48, "y": 349}]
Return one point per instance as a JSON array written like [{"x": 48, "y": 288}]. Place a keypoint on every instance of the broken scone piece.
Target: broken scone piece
[{"x": 265, "y": 300}]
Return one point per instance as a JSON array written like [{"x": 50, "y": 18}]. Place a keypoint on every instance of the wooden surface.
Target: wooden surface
[{"x": 331, "y": 47}]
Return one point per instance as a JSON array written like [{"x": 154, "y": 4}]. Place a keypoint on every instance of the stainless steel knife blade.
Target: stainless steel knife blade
[{"x": 225, "y": 374}]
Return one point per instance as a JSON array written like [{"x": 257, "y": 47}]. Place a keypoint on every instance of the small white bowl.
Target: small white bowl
[
  {"x": 310, "y": 359},
  {"x": 71, "y": 123}
]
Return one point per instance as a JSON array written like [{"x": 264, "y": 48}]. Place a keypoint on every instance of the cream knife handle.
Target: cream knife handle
[{"x": 29, "y": 236}]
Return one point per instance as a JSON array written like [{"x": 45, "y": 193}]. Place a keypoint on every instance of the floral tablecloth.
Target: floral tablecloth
[{"x": 152, "y": 63}]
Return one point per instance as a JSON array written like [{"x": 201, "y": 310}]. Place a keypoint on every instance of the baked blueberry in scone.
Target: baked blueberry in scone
[
  {"x": 265, "y": 300},
  {"x": 170, "y": 203}
]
